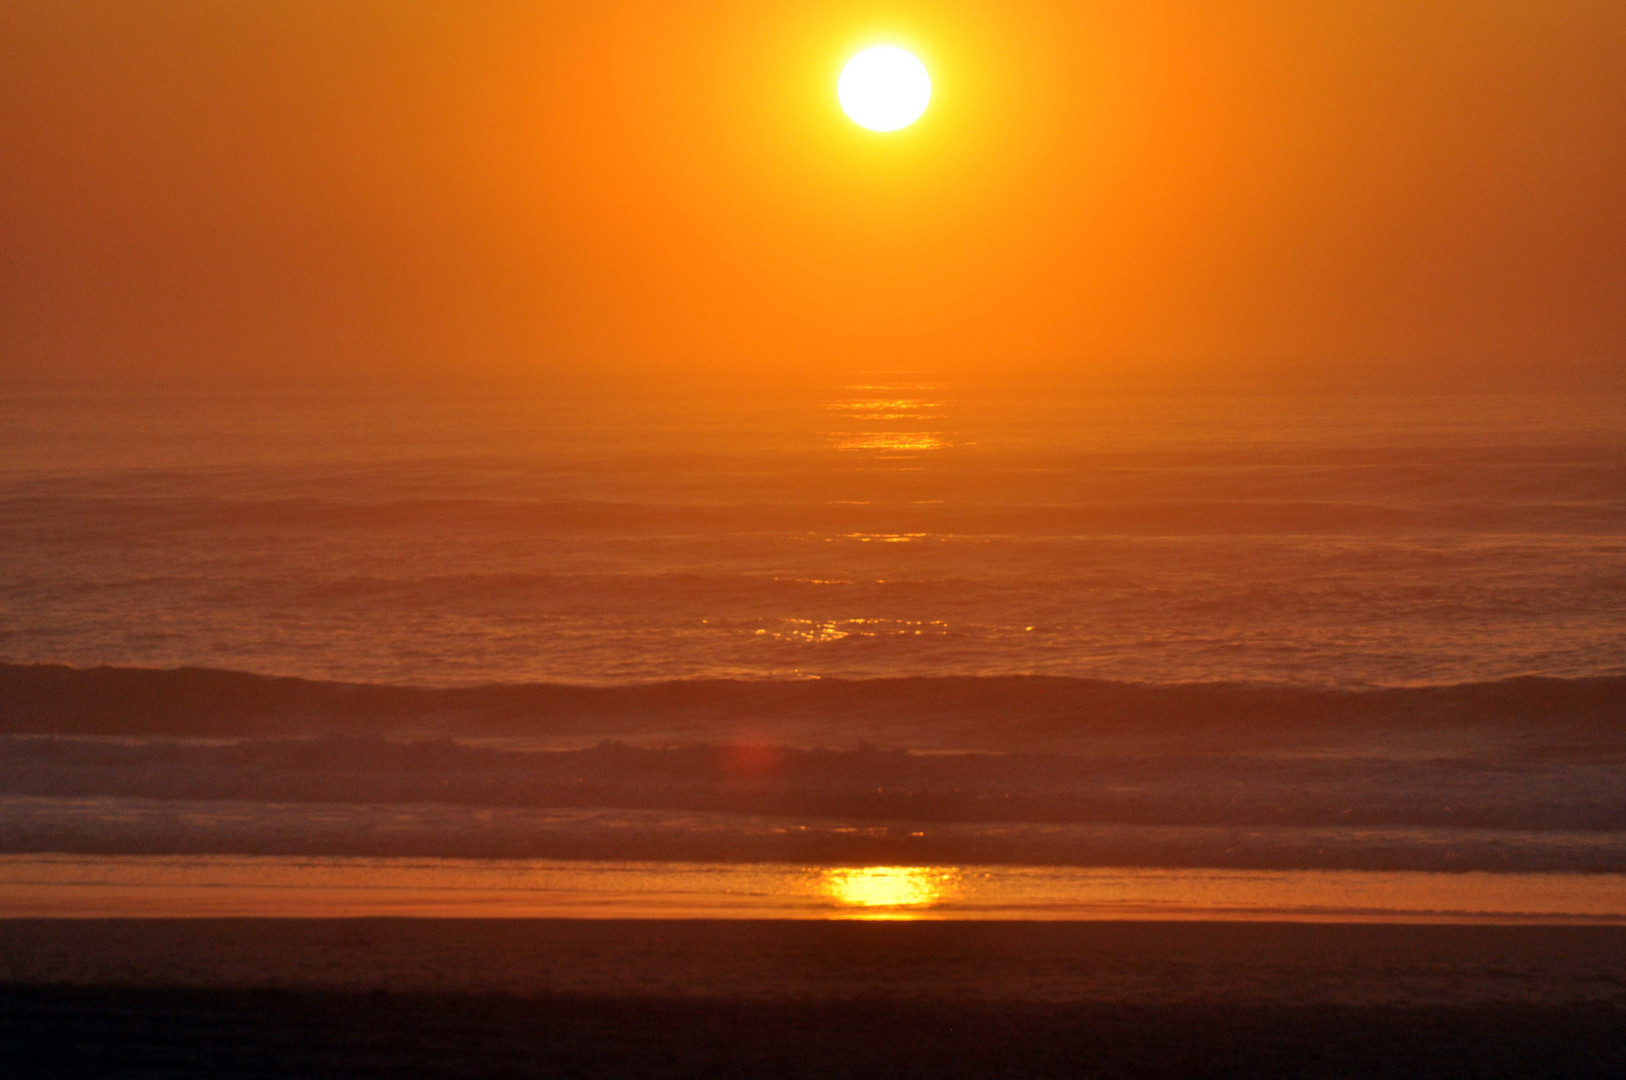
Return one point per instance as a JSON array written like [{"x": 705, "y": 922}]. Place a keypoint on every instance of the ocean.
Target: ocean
[{"x": 892, "y": 623}]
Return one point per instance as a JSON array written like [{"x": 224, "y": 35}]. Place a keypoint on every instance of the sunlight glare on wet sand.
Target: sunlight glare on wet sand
[
  {"x": 48, "y": 886},
  {"x": 888, "y": 891}
]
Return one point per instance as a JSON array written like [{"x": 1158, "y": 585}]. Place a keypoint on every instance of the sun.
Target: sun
[{"x": 884, "y": 88}]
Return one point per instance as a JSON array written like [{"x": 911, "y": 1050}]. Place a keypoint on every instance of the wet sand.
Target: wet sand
[
  {"x": 697, "y": 998},
  {"x": 1146, "y": 962},
  {"x": 234, "y": 886}
]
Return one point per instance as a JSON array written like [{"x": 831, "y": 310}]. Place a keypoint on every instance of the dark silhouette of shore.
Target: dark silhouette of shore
[{"x": 429, "y": 998}]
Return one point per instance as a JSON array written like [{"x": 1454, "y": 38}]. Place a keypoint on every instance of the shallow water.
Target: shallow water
[{"x": 218, "y": 886}]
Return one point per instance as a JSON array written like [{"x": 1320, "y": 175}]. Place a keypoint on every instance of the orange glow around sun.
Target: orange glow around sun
[{"x": 674, "y": 187}]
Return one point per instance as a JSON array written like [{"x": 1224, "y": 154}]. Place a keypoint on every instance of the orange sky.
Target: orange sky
[{"x": 668, "y": 185}]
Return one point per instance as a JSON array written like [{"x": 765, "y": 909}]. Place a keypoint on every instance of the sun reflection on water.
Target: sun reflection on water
[
  {"x": 887, "y": 892},
  {"x": 891, "y": 440},
  {"x": 888, "y": 419}
]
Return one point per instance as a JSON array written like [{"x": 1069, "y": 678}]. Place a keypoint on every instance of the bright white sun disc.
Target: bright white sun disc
[{"x": 884, "y": 88}]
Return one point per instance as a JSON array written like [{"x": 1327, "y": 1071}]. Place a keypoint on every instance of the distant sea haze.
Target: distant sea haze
[{"x": 891, "y": 528}]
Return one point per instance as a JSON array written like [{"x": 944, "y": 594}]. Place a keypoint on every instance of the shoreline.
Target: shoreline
[{"x": 250, "y": 886}]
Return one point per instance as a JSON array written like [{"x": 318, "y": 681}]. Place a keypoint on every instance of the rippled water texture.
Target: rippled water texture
[{"x": 888, "y": 528}]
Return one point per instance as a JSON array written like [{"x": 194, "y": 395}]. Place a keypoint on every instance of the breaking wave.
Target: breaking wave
[{"x": 1525, "y": 774}]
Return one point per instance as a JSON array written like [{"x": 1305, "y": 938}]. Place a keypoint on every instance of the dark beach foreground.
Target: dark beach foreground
[{"x": 272, "y": 998}]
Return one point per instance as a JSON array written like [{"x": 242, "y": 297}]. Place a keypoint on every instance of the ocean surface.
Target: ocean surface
[
  {"x": 889, "y": 623},
  {"x": 886, "y": 529}
]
